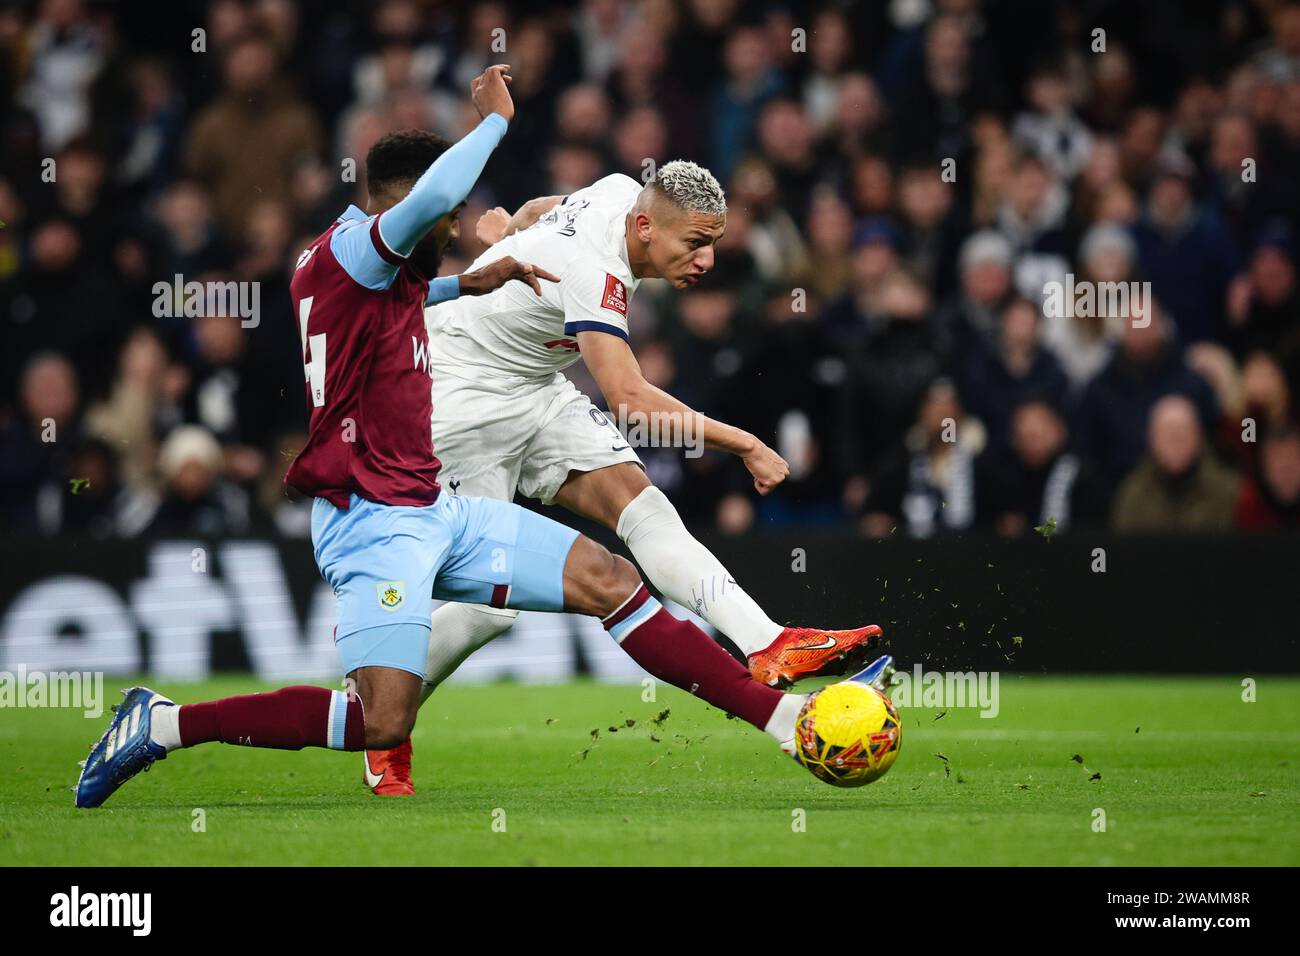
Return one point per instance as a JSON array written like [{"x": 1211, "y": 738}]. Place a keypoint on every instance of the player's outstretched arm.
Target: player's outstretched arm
[
  {"x": 448, "y": 181},
  {"x": 506, "y": 269},
  {"x": 628, "y": 394},
  {"x": 488, "y": 279},
  {"x": 495, "y": 224}
]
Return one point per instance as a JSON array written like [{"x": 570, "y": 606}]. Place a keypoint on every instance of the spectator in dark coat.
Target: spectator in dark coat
[
  {"x": 1113, "y": 412},
  {"x": 929, "y": 485},
  {"x": 1264, "y": 303},
  {"x": 1248, "y": 187},
  {"x": 1038, "y": 481},
  {"x": 1186, "y": 254},
  {"x": 970, "y": 317},
  {"x": 35, "y": 442},
  {"x": 88, "y": 497},
  {"x": 946, "y": 97},
  {"x": 237, "y": 394},
  {"x": 857, "y": 316},
  {"x": 994, "y": 380},
  {"x": 890, "y": 371}
]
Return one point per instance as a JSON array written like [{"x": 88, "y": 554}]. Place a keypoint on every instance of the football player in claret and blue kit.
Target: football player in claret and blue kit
[{"x": 385, "y": 538}]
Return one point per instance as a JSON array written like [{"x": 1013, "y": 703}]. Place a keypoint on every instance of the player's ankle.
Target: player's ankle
[
  {"x": 165, "y": 725},
  {"x": 780, "y": 726}
]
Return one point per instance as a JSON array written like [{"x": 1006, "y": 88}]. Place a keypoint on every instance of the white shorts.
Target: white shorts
[{"x": 496, "y": 435}]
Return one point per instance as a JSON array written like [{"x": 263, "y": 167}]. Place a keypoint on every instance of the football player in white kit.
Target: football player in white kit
[{"x": 505, "y": 418}]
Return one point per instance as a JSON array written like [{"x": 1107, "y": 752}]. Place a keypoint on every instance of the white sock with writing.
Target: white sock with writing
[{"x": 686, "y": 571}]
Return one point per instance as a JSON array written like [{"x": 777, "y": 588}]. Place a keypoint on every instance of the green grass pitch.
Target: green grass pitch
[{"x": 1190, "y": 775}]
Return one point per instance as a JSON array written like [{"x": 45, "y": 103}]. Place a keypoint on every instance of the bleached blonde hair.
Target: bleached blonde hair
[{"x": 689, "y": 187}]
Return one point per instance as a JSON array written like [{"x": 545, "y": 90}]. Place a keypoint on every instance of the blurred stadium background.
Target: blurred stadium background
[{"x": 861, "y": 298}]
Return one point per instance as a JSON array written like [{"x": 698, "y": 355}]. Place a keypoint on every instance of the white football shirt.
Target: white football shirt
[{"x": 516, "y": 332}]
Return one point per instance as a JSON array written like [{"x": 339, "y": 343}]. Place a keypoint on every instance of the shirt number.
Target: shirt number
[{"x": 313, "y": 367}]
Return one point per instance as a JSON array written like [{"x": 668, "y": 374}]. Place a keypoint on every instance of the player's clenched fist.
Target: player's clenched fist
[
  {"x": 506, "y": 269},
  {"x": 768, "y": 468},
  {"x": 489, "y": 92},
  {"x": 491, "y": 226}
]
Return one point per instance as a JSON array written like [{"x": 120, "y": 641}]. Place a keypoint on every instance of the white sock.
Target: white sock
[
  {"x": 456, "y": 632},
  {"x": 781, "y": 724},
  {"x": 687, "y": 572},
  {"x": 165, "y": 726}
]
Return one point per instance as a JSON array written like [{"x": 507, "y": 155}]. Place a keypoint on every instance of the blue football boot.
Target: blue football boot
[
  {"x": 125, "y": 749},
  {"x": 876, "y": 674}
]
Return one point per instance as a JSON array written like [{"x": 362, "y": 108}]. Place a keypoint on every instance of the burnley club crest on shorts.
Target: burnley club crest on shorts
[{"x": 392, "y": 594}]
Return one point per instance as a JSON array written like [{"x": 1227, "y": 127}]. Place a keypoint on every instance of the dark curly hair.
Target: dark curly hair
[{"x": 402, "y": 157}]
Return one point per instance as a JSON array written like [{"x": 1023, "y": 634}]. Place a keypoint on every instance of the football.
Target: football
[{"x": 848, "y": 734}]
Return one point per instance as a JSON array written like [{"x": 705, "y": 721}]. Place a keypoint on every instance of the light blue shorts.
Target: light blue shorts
[{"x": 387, "y": 563}]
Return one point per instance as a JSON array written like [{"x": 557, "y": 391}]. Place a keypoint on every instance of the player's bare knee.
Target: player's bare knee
[{"x": 596, "y": 581}]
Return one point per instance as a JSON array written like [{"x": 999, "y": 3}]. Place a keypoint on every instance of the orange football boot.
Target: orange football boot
[
  {"x": 388, "y": 772},
  {"x": 800, "y": 652}
]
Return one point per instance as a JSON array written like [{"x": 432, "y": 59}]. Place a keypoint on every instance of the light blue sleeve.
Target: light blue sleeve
[
  {"x": 442, "y": 188},
  {"x": 442, "y": 289},
  {"x": 354, "y": 248},
  {"x": 372, "y": 254}
]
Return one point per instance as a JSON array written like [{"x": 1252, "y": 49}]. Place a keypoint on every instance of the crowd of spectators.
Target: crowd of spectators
[{"x": 905, "y": 180}]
